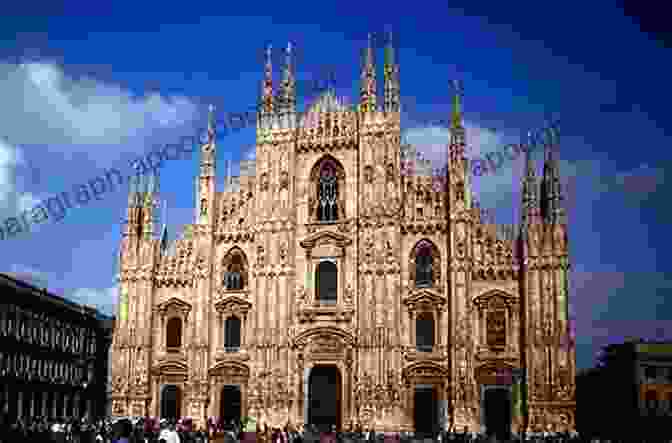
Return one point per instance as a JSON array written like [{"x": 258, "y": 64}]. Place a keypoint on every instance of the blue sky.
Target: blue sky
[{"x": 89, "y": 86}]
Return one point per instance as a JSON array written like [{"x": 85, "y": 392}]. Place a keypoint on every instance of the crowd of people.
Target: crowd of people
[{"x": 149, "y": 430}]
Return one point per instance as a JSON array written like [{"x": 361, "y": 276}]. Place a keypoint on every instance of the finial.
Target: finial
[
  {"x": 389, "y": 51},
  {"x": 457, "y": 105},
  {"x": 211, "y": 123}
]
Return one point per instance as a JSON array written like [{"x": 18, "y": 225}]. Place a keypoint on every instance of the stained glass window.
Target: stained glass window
[{"x": 328, "y": 193}]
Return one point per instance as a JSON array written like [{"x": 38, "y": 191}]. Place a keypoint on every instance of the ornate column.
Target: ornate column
[
  {"x": 511, "y": 328},
  {"x": 348, "y": 385},
  {"x": 437, "y": 327},
  {"x": 243, "y": 327},
  {"x": 162, "y": 331},
  {"x": 154, "y": 410},
  {"x": 483, "y": 327},
  {"x": 43, "y": 404},
  {"x": 19, "y": 404},
  {"x": 220, "y": 331},
  {"x": 31, "y": 402},
  {"x": 413, "y": 314},
  {"x": 516, "y": 327}
]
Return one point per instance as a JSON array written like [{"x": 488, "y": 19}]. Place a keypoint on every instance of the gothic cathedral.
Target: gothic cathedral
[{"x": 324, "y": 285}]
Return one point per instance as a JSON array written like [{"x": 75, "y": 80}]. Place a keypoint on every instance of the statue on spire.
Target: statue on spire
[{"x": 211, "y": 124}]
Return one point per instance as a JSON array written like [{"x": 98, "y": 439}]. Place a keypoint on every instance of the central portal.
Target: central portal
[
  {"x": 171, "y": 402},
  {"x": 324, "y": 398},
  {"x": 229, "y": 407}
]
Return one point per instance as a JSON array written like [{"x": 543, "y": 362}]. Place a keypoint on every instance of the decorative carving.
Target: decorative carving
[
  {"x": 326, "y": 345},
  {"x": 261, "y": 258},
  {"x": 283, "y": 252},
  {"x": 284, "y": 180},
  {"x": 349, "y": 295}
]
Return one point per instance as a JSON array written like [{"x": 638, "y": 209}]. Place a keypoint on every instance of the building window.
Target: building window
[
  {"x": 234, "y": 280},
  {"x": 424, "y": 332},
  {"x": 328, "y": 193},
  {"x": 232, "y": 334},
  {"x": 235, "y": 270},
  {"x": 425, "y": 264},
  {"x": 327, "y": 181},
  {"x": 326, "y": 282},
  {"x": 174, "y": 334}
]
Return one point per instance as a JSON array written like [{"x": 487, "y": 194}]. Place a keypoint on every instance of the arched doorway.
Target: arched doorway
[
  {"x": 324, "y": 397},
  {"x": 497, "y": 412},
  {"x": 171, "y": 399},
  {"x": 230, "y": 404}
]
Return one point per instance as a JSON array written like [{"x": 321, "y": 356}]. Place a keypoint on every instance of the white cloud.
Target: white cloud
[
  {"x": 44, "y": 106},
  {"x": 12, "y": 199},
  {"x": 105, "y": 300},
  {"x": 491, "y": 189}
]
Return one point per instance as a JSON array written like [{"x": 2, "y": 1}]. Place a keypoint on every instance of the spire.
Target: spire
[
  {"x": 266, "y": 107},
  {"x": 133, "y": 211},
  {"x": 367, "y": 102},
  {"x": 208, "y": 149},
  {"x": 164, "y": 231},
  {"x": 457, "y": 133},
  {"x": 149, "y": 203},
  {"x": 211, "y": 124},
  {"x": 530, "y": 202},
  {"x": 286, "y": 101},
  {"x": 456, "y": 118},
  {"x": 133, "y": 188},
  {"x": 391, "y": 78},
  {"x": 551, "y": 194}
]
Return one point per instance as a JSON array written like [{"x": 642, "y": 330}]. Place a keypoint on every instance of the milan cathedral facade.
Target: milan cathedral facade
[{"x": 325, "y": 285}]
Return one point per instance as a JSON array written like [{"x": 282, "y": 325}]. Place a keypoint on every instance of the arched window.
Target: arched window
[
  {"x": 235, "y": 271},
  {"x": 327, "y": 205},
  {"x": 424, "y": 265},
  {"x": 326, "y": 282},
  {"x": 173, "y": 334},
  {"x": 232, "y": 334},
  {"x": 424, "y": 332}
]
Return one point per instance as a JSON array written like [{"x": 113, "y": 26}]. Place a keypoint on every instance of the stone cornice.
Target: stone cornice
[
  {"x": 325, "y": 236},
  {"x": 425, "y": 296}
]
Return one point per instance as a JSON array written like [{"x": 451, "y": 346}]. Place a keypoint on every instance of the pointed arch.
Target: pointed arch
[
  {"x": 235, "y": 270},
  {"x": 327, "y": 188},
  {"x": 425, "y": 264}
]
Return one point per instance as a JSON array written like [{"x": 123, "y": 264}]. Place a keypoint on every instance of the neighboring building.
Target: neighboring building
[
  {"x": 636, "y": 378},
  {"x": 325, "y": 286},
  {"x": 53, "y": 354}
]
